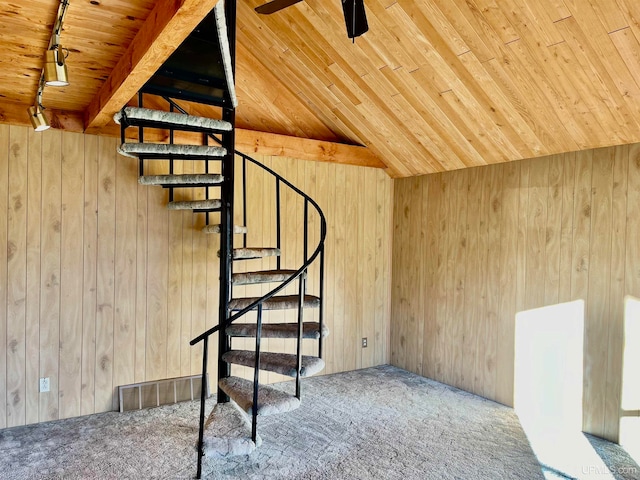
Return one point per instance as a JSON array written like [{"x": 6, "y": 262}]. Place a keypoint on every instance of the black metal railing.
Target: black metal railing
[{"x": 301, "y": 274}]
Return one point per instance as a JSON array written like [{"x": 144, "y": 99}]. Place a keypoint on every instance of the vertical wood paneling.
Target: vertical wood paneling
[
  {"x": 50, "y": 271},
  {"x": 400, "y": 225},
  {"x": 368, "y": 273},
  {"x": 459, "y": 241},
  {"x": 142, "y": 258},
  {"x": 105, "y": 293},
  {"x": 351, "y": 342},
  {"x": 71, "y": 261},
  {"x": 16, "y": 277},
  {"x": 32, "y": 329},
  {"x": 187, "y": 281},
  {"x": 507, "y": 285},
  {"x": 157, "y": 284},
  {"x": 535, "y": 232},
  {"x": 358, "y": 263},
  {"x": 566, "y": 239},
  {"x": 553, "y": 229},
  {"x": 428, "y": 242},
  {"x": 101, "y": 286},
  {"x": 338, "y": 217},
  {"x": 268, "y": 228},
  {"x": 538, "y": 232},
  {"x": 632, "y": 271},
  {"x": 596, "y": 326},
  {"x": 174, "y": 291},
  {"x": 473, "y": 304},
  {"x": 615, "y": 326},
  {"x": 382, "y": 231},
  {"x": 4, "y": 205},
  {"x": 330, "y": 287},
  {"x": 483, "y": 241},
  {"x": 494, "y": 207},
  {"x": 89, "y": 274},
  {"x": 310, "y": 187},
  {"x": 417, "y": 304},
  {"x": 124, "y": 321}
]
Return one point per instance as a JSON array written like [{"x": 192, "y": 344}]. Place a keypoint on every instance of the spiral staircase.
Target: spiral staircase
[{"x": 231, "y": 428}]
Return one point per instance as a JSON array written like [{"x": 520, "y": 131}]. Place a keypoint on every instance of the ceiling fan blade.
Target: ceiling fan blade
[{"x": 274, "y": 6}]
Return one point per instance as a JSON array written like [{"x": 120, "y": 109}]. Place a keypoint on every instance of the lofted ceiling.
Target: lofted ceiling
[{"x": 434, "y": 85}]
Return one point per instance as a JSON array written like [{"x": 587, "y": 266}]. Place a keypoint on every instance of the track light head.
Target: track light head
[
  {"x": 38, "y": 120},
  {"x": 55, "y": 68}
]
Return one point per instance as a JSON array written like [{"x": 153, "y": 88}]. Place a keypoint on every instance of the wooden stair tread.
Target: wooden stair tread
[
  {"x": 168, "y": 150},
  {"x": 254, "y": 252},
  {"x": 277, "y": 330},
  {"x": 145, "y": 117},
  {"x": 237, "y": 229},
  {"x": 203, "y": 179},
  {"x": 264, "y": 276},
  {"x": 284, "y": 302},
  {"x": 283, "y": 363},
  {"x": 196, "y": 205},
  {"x": 270, "y": 400}
]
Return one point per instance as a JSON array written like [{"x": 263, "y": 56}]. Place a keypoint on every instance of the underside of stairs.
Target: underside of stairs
[{"x": 231, "y": 428}]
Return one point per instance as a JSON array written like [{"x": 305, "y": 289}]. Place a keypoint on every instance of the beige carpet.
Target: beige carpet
[{"x": 377, "y": 423}]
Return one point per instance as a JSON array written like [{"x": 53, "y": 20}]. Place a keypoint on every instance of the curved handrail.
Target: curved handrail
[
  {"x": 303, "y": 268},
  {"x": 309, "y": 261}
]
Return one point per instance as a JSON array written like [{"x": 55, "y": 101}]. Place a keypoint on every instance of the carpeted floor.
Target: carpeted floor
[{"x": 377, "y": 423}]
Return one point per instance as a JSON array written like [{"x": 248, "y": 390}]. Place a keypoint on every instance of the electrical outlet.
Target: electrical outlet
[
  {"x": 44, "y": 384},
  {"x": 364, "y": 342}
]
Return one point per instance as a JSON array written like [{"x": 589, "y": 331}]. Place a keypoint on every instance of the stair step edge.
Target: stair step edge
[
  {"x": 237, "y": 229},
  {"x": 310, "y": 330},
  {"x": 285, "y": 302},
  {"x": 271, "y": 401},
  {"x": 136, "y": 115},
  {"x": 264, "y": 276},
  {"x": 195, "y": 205},
  {"x": 283, "y": 363},
  {"x": 198, "y": 179},
  {"x": 159, "y": 150},
  {"x": 253, "y": 253}
]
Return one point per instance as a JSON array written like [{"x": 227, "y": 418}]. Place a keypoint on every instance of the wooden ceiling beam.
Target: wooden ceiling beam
[
  {"x": 262, "y": 143},
  {"x": 168, "y": 24},
  {"x": 247, "y": 141}
]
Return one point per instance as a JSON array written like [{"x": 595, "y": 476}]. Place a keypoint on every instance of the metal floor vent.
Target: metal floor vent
[{"x": 137, "y": 396}]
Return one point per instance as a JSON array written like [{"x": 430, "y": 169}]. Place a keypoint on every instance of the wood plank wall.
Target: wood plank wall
[
  {"x": 474, "y": 247},
  {"x": 101, "y": 286}
]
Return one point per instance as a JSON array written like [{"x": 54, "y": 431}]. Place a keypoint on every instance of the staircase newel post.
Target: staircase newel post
[
  {"x": 226, "y": 215},
  {"x": 302, "y": 288}
]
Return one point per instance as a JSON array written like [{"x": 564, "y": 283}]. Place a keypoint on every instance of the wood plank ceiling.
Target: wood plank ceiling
[{"x": 434, "y": 85}]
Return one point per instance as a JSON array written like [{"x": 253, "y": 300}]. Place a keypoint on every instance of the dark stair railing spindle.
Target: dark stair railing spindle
[
  {"x": 256, "y": 376},
  {"x": 203, "y": 396}
]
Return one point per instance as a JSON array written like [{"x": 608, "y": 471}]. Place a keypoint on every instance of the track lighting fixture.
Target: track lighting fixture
[
  {"x": 38, "y": 120},
  {"x": 54, "y": 72},
  {"x": 55, "y": 69},
  {"x": 36, "y": 112}
]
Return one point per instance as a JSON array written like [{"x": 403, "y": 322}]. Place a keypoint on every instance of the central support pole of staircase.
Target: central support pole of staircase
[{"x": 226, "y": 215}]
